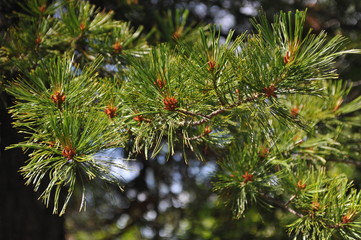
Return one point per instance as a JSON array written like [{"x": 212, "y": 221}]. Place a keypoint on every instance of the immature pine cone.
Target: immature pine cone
[{"x": 170, "y": 103}]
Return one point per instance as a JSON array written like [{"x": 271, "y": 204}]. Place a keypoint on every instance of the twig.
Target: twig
[
  {"x": 290, "y": 200},
  {"x": 197, "y": 137},
  {"x": 281, "y": 205},
  {"x": 91, "y": 58},
  {"x": 206, "y": 118},
  {"x": 191, "y": 113},
  {"x": 355, "y": 84}
]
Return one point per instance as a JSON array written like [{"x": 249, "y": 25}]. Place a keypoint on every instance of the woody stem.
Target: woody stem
[
  {"x": 282, "y": 205},
  {"x": 209, "y": 116}
]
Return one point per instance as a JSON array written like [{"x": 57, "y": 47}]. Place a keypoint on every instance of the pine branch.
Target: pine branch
[
  {"x": 203, "y": 134},
  {"x": 191, "y": 113},
  {"x": 211, "y": 115},
  {"x": 355, "y": 84},
  {"x": 61, "y": 106},
  {"x": 282, "y": 205}
]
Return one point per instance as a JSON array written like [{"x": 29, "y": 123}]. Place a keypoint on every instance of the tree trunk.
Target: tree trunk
[{"x": 22, "y": 216}]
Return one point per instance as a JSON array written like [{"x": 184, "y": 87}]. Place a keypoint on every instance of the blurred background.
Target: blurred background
[{"x": 169, "y": 199}]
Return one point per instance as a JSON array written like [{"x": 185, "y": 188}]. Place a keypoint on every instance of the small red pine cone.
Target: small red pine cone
[
  {"x": 294, "y": 112},
  {"x": 211, "y": 65},
  {"x": 301, "y": 185},
  {"x": 178, "y": 33},
  {"x": 160, "y": 83},
  {"x": 110, "y": 111},
  {"x": 315, "y": 206},
  {"x": 117, "y": 47},
  {"x": 68, "y": 152},
  {"x": 170, "y": 103},
  {"x": 263, "y": 152},
  {"x": 58, "y": 98},
  {"x": 42, "y": 8},
  {"x": 346, "y": 219},
  {"x": 82, "y": 26},
  {"x": 270, "y": 91},
  {"x": 287, "y": 57},
  {"x": 338, "y": 104},
  {"x": 207, "y": 130},
  {"x": 139, "y": 118},
  {"x": 247, "y": 177},
  {"x": 51, "y": 143},
  {"x": 38, "y": 40}
]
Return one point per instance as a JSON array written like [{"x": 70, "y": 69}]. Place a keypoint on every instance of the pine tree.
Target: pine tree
[{"x": 269, "y": 103}]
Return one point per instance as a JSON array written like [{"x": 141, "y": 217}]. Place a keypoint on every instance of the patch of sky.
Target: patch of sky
[
  {"x": 150, "y": 179},
  {"x": 131, "y": 194},
  {"x": 176, "y": 187},
  {"x": 199, "y": 8},
  {"x": 177, "y": 177},
  {"x": 202, "y": 171},
  {"x": 224, "y": 18},
  {"x": 147, "y": 232},
  {"x": 182, "y": 200},
  {"x": 111, "y": 68},
  {"x": 226, "y": 3},
  {"x": 123, "y": 169},
  {"x": 142, "y": 197},
  {"x": 150, "y": 215},
  {"x": 164, "y": 205},
  {"x": 58, "y": 11},
  {"x": 163, "y": 190},
  {"x": 166, "y": 231},
  {"x": 77, "y": 71},
  {"x": 161, "y": 159},
  {"x": 250, "y": 8},
  {"x": 122, "y": 222},
  {"x": 178, "y": 157}
]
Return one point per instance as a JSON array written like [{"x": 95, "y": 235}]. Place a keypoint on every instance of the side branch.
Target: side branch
[
  {"x": 282, "y": 205},
  {"x": 191, "y": 113},
  {"x": 206, "y": 118}
]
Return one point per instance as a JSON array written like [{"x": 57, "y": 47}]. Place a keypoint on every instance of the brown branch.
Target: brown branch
[
  {"x": 190, "y": 113},
  {"x": 290, "y": 200},
  {"x": 206, "y": 118},
  {"x": 281, "y": 205},
  {"x": 285, "y": 206},
  {"x": 354, "y": 84},
  {"x": 90, "y": 57},
  {"x": 197, "y": 137},
  {"x": 335, "y": 226}
]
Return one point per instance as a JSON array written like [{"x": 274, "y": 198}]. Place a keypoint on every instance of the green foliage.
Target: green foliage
[
  {"x": 57, "y": 107},
  {"x": 268, "y": 103},
  {"x": 331, "y": 205},
  {"x": 245, "y": 172}
]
